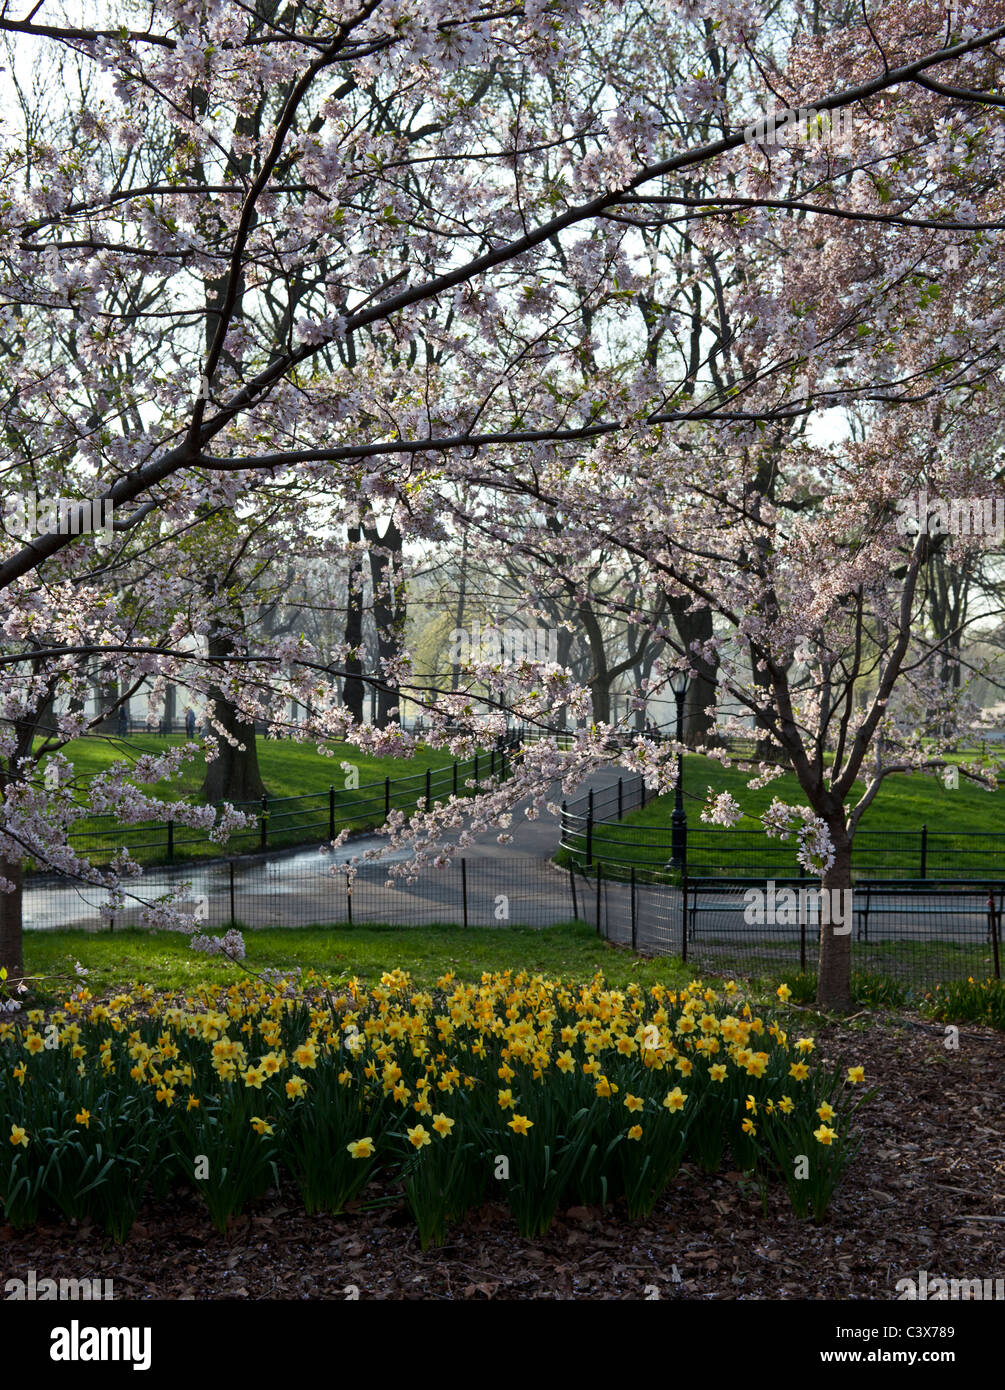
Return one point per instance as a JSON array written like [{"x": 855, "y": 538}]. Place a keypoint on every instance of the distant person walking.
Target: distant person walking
[
  {"x": 189, "y": 722},
  {"x": 123, "y": 722}
]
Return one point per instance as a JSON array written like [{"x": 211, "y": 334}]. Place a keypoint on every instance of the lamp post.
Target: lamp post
[{"x": 678, "y": 821}]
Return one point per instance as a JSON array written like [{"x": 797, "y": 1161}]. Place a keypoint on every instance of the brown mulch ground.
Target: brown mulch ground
[{"x": 932, "y": 1163}]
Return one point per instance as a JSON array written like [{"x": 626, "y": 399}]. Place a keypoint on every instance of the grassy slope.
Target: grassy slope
[
  {"x": 288, "y": 769},
  {"x": 903, "y": 804}
]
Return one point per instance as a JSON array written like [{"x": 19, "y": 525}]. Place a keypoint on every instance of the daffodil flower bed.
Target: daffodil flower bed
[{"x": 531, "y": 1090}]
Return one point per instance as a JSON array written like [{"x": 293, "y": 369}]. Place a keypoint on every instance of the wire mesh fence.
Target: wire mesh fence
[
  {"x": 303, "y": 890},
  {"x": 946, "y": 930},
  {"x": 922, "y": 936}
]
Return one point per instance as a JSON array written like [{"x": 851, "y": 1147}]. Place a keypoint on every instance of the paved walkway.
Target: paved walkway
[{"x": 296, "y": 887}]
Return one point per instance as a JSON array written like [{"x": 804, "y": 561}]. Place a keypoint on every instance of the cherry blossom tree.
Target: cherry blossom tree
[{"x": 428, "y": 232}]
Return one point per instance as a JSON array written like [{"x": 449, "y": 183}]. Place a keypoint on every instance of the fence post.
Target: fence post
[
  {"x": 619, "y": 798},
  {"x": 589, "y": 830},
  {"x": 492, "y": 761},
  {"x": 598, "y": 898},
  {"x": 683, "y": 899},
  {"x": 634, "y": 932},
  {"x": 233, "y": 913},
  {"x": 502, "y": 769},
  {"x": 572, "y": 881},
  {"x": 170, "y": 839},
  {"x": 476, "y": 769},
  {"x": 464, "y": 888},
  {"x": 263, "y": 821},
  {"x": 348, "y": 899},
  {"x": 454, "y": 783},
  {"x": 429, "y": 794},
  {"x": 331, "y": 813},
  {"x": 924, "y": 850},
  {"x": 802, "y": 938},
  {"x": 387, "y": 797},
  {"x": 995, "y": 923}
]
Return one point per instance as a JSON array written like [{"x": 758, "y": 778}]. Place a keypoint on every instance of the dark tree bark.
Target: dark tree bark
[
  {"x": 233, "y": 774},
  {"x": 696, "y": 627},
  {"x": 11, "y": 904},
  {"x": 106, "y": 694},
  {"x": 11, "y": 922},
  {"x": 352, "y": 686},
  {"x": 834, "y": 961},
  {"x": 389, "y": 608},
  {"x": 600, "y": 682},
  {"x": 170, "y": 706}
]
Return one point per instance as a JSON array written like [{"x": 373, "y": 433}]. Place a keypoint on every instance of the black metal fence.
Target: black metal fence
[
  {"x": 922, "y": 936},
  {"x": 918, "y": 935},
  {"x": 282, "y": 821},
  {"x": 589, "y": 838}
]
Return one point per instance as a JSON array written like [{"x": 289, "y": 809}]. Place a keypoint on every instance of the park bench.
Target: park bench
[
  {"x": 882, "y": 898},
  {"x": 873, "y": 900}
]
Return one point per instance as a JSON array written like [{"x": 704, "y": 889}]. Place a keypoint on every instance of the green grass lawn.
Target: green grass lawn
[
  {"x": 165, "y": 960},
  {"x": 888, "y": 839},
  {"x": 571, "y": 951},
  {"x": 289, "y": 770}
]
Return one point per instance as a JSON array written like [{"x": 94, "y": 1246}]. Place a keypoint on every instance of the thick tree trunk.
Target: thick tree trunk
[
  {"x": 10, "y": 922},
  {"x": 233, "y": 774},
  {"x": 388, "y": 613},
  {"x": 170, "y": 706},
  {"x": 600, "y": 681},
  {"x": 701, "y": 692},
  {"x": 352, "y": 686},
  {"x": 834, "y": 962},
  {"x": 106, "y": 693}
]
